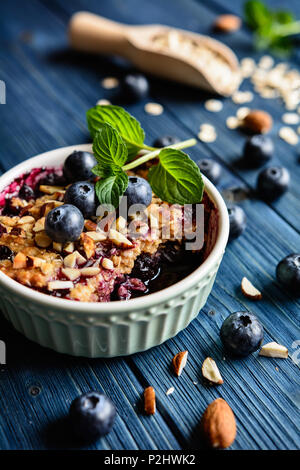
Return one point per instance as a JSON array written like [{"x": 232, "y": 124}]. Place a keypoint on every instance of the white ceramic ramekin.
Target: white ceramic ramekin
[{"x": 116, "y": 328}]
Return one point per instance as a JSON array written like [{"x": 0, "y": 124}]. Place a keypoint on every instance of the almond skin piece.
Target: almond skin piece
[
  {"x": 218, "y": 424},
  {"x": 149, "y": 401},
  {"x": 227, "y": 23},
  {"x": 179, "y": 362},
  {"x": 258, "y": 122},
  {"x": 249, "y": 290}
]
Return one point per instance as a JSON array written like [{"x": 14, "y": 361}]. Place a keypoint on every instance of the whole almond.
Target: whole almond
[
  {"x": 218, "y": 424},
  {"x": 227, "y": 23},
  {"x": 258, "y": 122}
]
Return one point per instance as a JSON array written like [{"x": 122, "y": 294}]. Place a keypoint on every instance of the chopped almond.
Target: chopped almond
[
  {"x": 71, "y": 273},
  {"x": 34, "y": 262},
  {"x": 249, "y": 290},
  {"x": 179, "y": 362},
  {"x": 70, "y": 260},
  {"x": 57, "y": 246},
  {"x": 88, "y": 245},
  {"x": 69, "y": 247},
  {"x": 107, "y": 263},
  {"x": 39, "y": 225},
  {"x": 27, "y": 219},
  {"x": 274, "y": 349},
  {"x": 149, "y": 401},
  {"x": 51, "y": 189},
  {"x": 211, "y": 372},
  {"x": 90, "y": 226},
  {"x": 97, "y": 236},
  {"x": 119, "y": 239},
  {"x": 58, "y": 285},
  {"x": 91, "y": 271},
  {"x": 20, "y": 261},
  {"x": 42, "y": 240}
]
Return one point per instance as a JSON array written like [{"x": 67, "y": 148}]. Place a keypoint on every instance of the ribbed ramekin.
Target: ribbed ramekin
[{"x": 116, "y": 328}]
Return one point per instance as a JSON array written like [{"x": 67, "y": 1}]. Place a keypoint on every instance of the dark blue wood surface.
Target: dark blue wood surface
[{"x": 49, "y": 88}]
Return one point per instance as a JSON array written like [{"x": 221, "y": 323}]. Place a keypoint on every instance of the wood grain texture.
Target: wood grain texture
[{"x": 49, "y": 88}]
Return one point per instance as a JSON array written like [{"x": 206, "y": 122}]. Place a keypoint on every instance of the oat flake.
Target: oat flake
[
  {"x": 154, "y": 108},
  {"x": 103, "y": 102},
  {"x": 242, "y": 113},
  {"x": 110, "y": 82},
  {"x": 232, "y": 122},
  {"x": 241, "y": 97},
  {"x": 247, "y": 67},
  {"x": 213, "y": 105},
  {"x": 288, "y": 135},
  {"x": 170, "y": 391},
  {"x": 266, "y": 62}
]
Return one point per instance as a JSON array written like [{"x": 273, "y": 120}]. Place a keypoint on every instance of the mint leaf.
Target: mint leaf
[
  {"x": 102, "y": 171},
  {"x": 176, "y": 179},
  {"x": 110, "y": 189},
  {"x": 109, "y": 148},
  {"x": 127, "y": 126}
]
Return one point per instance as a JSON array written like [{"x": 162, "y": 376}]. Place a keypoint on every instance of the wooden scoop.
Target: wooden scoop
[{"x": 170, "y": 53}]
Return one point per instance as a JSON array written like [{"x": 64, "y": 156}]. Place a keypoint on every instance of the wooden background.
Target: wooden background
[{"x": 49, "y": 88}]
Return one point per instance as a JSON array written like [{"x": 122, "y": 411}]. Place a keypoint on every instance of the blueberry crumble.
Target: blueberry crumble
[{"x": 50, "y": 241}]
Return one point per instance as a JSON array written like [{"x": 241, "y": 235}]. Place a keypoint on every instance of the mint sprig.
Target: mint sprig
[{"x": 175, "y": 179}]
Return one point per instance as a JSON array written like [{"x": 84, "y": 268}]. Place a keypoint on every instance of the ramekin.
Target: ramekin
[{"x": 115, "y": 328}]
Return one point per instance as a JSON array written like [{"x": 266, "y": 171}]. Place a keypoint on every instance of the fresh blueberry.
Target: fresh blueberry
[
  {"x": 258, "y": 150},
  {"x": 237, "y": 221},
  {"x": 82, "y": 195},
  {"x": 241, "y": 333},
  {"x": 166, "y": 141},
  {"x": 211, "y": 169},
  {"x": 288, "y": 272},
  {"x": 92, "y": 415},
  {"x": 78, "y": 166},
  {"x": 6, "y": 253},
  {"x": 273, "y": 182},
  {"x": 138, "y": 191},
  {"x": 26, "y": 192},
  {"x": 134, "y": 87},
  {"x": 64, "y": 223}
]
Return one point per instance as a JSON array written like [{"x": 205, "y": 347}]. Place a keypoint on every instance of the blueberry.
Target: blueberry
[
  {"x": 92, "y": 415},
  {"x": 288, "y": 272},
  {"x": 211, "y": 169},
  {"x": 273, "y": 182},
  {"x": 237, "y": 221},
  {"x": 138, "y": 191},
  {"x": 166, "y": 141},
  {"x": 26, "y": 192},
  {"x": 64, "y": 223},
  {"x": 241, "y": 333},
  {"x": 82, "y": 195},
  {"x": 134, "y": 87},
  {"x": 258, "y": 150},
  {"x": 78, "y": 166},
  {"x": 6, "y": 253}
]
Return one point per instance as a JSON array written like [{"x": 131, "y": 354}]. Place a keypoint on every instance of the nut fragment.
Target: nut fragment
[
  {"x": 211, "y": 372},
  {"x": 218, "y": 424},
  {"x": 42, "y": 240},
  {"x": 70, "y": 260},
  {"x": 227, "y": 23},
  {"x": 88, "y": 245},
  {"x": 258, "y": 121},
  {"x": 71, "y": 273},
  {"x": 51, "y": 189},
  {"x": 249, "y": 290},
  {"x": 20, "y": 261},
  {"x": 34, "y": 262},
  {"x": 107, "y": 263},
  {"x": 91, "y": 271},
  {"x": 27, "y": 219},
  {"x": 179, "y": 362},
  {"x": 109, "y": 82},
  {"x": 39, "y": 225},
  {"x": 69, "y": 247},
  {"x": 119, "y": 239},
  {"x": 59, "y": 285},
  {"x": 213, "y": 106},
  {"x": 274, "y": 349},
  {"x": 288, "y": 135},
  {"x": 97, "y": 236},
  {"x": 154, "y": 108},
  {"x": 149, "y": 401},
  {"x": 57, "y": 246}
]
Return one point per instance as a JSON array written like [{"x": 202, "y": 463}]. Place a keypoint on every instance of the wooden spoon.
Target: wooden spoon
[{"x": 170, "y": 53}]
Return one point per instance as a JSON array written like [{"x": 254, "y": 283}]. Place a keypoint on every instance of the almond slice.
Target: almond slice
[
  {"x": 27, "y": 219},
  {"x": 107, "y": 263},
  {"x": 91, "y": 271},
  {"x": 79, "y": 258},
  {"x": 71, "y": 273},
  {"x": 179, "y": 362},
  {"x": 34, "y": 262},
  {"x": 58, "y": 285},
  {"x": 51, "y": 189},
  {"x": 149, "y": 401},
  {"x": 20, "y": 261},
  {"x": 39, "y": 225},
  {"x": 97, "y": 236},
  {"x": 249, "y": 290},
  {"x": 70, "y": 260},
  {"x": 69, "y": 247},
  {"x": 119, "y": 239},
  {"x": 274, "y": 349},
  {"x": 211, "y": 372}
]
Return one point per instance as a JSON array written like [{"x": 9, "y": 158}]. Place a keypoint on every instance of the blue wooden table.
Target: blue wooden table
[{"x": 49, "y": 88}]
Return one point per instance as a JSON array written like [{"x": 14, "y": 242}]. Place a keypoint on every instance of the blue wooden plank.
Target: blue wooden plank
[{"x": 264, "y": 399}]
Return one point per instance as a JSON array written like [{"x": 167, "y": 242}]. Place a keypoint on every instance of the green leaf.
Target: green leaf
[
  {"x": 176, "y": 179},
  {"x": 110, "y": 189},
  {"x": 257, "y": 15},
  {"x": 127, "y": 126},
  {"x": 109, "y": 148},
  {"x": 102, "y": 171}
]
